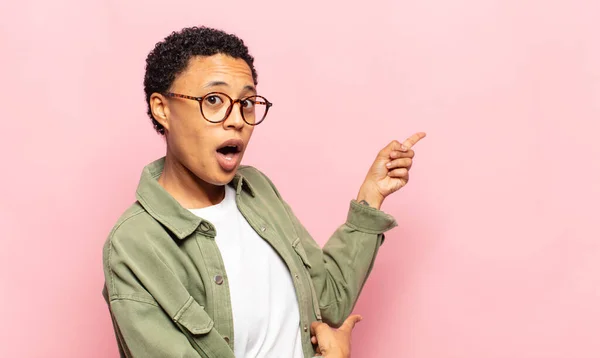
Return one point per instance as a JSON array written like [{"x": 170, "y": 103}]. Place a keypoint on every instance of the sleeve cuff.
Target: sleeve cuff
[{"x": 370, "y": 220}]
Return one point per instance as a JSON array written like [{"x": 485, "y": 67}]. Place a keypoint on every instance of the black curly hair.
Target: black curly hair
[{"x": 170, "y": 57}]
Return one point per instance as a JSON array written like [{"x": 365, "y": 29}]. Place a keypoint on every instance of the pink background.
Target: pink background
[{"x": 498, "y": 249}]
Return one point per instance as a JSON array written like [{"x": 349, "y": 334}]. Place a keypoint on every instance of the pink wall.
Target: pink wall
[{"x": 498, "y": 249}]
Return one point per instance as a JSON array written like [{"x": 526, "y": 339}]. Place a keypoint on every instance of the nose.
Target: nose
[{"x": 235, "y": 119}]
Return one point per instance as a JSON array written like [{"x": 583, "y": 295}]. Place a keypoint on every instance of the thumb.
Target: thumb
[{"x": 350, "y": 322}]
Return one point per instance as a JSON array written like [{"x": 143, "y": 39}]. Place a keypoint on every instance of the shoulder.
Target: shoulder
[
  {"x": 131, "y": 231},
  {"x": 131, "y": 252}
]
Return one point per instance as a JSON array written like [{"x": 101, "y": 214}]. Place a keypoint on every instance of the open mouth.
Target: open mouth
[
  {"x": 229, "y": 154},
  {"x": 229, "y": 150}
]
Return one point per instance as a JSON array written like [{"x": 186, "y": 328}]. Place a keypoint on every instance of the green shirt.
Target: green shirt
[{"x": 166, "y": 285}]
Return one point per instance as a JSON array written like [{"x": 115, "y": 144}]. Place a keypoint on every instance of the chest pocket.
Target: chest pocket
[
  {"x": 197, "y": 325},
  {"x": 193, "y": 317},
  {"x": 299, "y": 249}
]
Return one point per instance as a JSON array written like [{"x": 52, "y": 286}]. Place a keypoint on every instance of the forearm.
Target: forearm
[
  {"x": 348, "y": 258},
  {"x": 340, "y": 269}
]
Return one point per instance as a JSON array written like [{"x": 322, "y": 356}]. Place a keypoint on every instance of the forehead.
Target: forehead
[{"x": 222, "y": 68}]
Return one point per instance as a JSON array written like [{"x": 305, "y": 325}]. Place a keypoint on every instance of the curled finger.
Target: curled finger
[
  {"x": 399, "y": 173},
  {"x": 398, "y": 154},
  {"x": 399, "y": 163}
]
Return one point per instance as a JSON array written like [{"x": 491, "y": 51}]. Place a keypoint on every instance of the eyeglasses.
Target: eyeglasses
[{"x": 215, "y": 107}]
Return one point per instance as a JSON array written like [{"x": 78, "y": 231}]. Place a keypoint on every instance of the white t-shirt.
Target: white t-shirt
[{"x": 266, "y": 317}]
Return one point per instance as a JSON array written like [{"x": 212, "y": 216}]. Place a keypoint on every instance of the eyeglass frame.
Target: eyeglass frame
[{"x": 229, "y": 109}]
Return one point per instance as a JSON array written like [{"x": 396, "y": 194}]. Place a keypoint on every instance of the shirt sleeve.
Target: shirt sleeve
[{"x": 340, "y": 269}]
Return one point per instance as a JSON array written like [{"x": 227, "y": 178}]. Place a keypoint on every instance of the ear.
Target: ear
[{"x": 160, "y": 109}]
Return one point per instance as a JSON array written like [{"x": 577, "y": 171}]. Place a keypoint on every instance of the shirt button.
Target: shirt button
[
  {"x": 226, "y": 339},
  {"x": 305, "y": 328},
  {"x": 262, "y": 228},
  {"x": 204, "y": 226},
  {"x": 296, "y": 276},
  {"x": 218, "y": 279}
]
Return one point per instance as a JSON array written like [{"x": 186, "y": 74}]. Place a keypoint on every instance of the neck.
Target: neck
[{"x": 189, "y": 190}]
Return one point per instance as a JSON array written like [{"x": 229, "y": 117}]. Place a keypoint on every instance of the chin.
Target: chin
[
  {"x": 219, "y": 177},
  {"x": 225, "y": 178}
]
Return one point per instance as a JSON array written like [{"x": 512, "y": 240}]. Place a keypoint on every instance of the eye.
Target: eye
[
  {"x": 213, "y": 99},
  {"x": 249, "y": 103}
]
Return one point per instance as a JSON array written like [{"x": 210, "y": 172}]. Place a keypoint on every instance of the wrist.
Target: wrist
[{"x": 372, "y": 197}]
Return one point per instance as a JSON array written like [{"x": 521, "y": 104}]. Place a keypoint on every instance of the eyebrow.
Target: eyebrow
[{"x": 221, "y": 83}]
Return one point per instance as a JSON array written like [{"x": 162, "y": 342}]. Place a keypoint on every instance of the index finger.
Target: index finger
[{"x": 414, "y": 139}]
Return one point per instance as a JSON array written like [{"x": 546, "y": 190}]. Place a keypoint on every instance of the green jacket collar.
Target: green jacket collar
[{"x": 165, "y": 209}]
